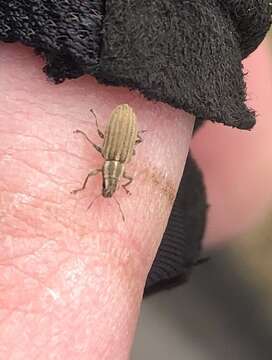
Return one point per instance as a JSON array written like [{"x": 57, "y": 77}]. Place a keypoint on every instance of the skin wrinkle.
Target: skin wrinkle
[
  {"x": 110, "y": 247},
  {"x": 33, "y": 197},
  {"x": 41, "y": 283},
  {"x": 105, "y": 351},
  {"x": 34, "y": 174},
  {"x": 59, "y": 220},
  {"x": 46, "y": 174},
  {"x": 37, "y": 264},
  {"x": 23, "y": 254},
  {"x": 42, "y": 140},
  {"x": 18, "y": 150},
  {"x": 88, "y": 235},
  {"x": 24, "y": 260}
]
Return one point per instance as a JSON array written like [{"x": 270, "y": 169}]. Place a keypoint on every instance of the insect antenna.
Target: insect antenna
[
  {"x": 117, "y": 202},
  {"x": 94, "y": 114},
  {"x": 91, "y": 204},
  {"x": 121, "y": 211}
]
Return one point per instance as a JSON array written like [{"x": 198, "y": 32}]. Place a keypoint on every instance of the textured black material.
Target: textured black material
[
  {"x": 185, "y": 53},
  {"x": 193, "y": 49},
  {"x": 181, "y": 244},
  {"x": 252, "y": 19},
  {"x": 67, "y": 32}
]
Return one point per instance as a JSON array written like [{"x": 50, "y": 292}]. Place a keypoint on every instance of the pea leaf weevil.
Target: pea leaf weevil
[{"x": 121, "y": 137}]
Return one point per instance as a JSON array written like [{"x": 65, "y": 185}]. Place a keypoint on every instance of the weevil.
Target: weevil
[{"x": 119, "y": 141}]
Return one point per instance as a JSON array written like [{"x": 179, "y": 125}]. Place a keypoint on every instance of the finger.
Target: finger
[
  {"x": 71, "y": 279},
  {"x": 237, "y": 164}
]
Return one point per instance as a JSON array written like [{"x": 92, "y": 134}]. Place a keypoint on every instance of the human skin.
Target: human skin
[{"x": 72, "y": 280}]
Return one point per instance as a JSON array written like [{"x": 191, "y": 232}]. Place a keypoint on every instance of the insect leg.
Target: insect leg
[
  {"x": 98, "y": 148},
  {"x": 130, "y": 179},
  {"x": 139, "y": 138},
  {"x": 121, "y": 211},
  {"x": 92, "y": 173},
  {"x": 100, "y": 133}
]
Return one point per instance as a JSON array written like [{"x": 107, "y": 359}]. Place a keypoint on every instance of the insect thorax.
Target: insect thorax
[{"x": 112, "y": 172}]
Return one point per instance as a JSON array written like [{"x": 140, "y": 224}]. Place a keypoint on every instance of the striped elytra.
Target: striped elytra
[{"x": 120, "y": 135}]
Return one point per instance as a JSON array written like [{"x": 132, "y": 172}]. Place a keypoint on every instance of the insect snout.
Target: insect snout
[{"x": 109, "y": 187}]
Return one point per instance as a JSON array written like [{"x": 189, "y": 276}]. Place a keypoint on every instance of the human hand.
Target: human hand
[{"x": 71, "y": 279}]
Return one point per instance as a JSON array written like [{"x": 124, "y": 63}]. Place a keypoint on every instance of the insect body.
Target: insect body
[{"x": 121, "y": 136}]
